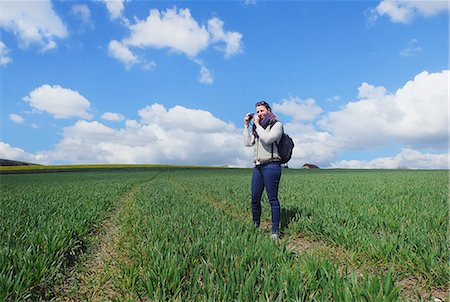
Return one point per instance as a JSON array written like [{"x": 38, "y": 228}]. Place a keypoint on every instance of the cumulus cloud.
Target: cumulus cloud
[
  {"x": 119, "y": 51},
  {"x": 179, "y": 117},
  {"x": 32, "y": 22},
  {"x": 60, "y": 102},
  {"x": 407, "y": 158},
  {"x": 299, "y": 110},
  {"x": 171, "y": 29},
  {"x": 115, "y": 8},
  {"x": 113, "y": 117},
  {"x": 311, "y": 145},
  {"x": 83, "y": 12},
  {"x": 177, "y": 31},
  {"x": 415, "y": 115},
  {"x": 16, "y": 118},
  {"x": 9, "y": 152},
  {"x": 232, "y": 40},
  {"x": 4, "y": 58},
  {"x": 403, "y": 11},
  {"x": 423, "y": 107},
  {"x": 177, "y": 135},
  {"x": 206, "y": 77}
]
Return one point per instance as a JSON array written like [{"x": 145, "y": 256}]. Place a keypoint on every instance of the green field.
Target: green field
[{"x": 183, "y": 234}]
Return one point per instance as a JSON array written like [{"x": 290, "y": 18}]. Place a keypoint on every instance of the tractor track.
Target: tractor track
[{"x": 90, "y": 280}]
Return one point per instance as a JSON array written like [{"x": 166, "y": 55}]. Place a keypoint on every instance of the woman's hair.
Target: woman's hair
[{"x": 263, "y": 103}]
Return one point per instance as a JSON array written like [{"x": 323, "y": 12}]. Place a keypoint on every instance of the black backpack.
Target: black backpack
[{"x": 285, "y": 147}]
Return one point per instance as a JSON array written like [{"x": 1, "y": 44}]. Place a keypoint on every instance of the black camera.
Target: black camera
[{"x": 250, "y": 116}]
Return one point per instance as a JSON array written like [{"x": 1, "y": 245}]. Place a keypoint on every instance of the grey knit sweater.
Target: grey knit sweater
[{"x": 263, "y": 144}]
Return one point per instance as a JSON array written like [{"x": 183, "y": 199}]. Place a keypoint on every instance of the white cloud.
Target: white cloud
[
  {"x": 416, "y": 115},
  {"x": 180, "y": 135},
  {"x": 58, "y": 101},
  {"x": 168, "y": 136},
  {"x": 115, "y": 8},
  {"x": 183, "y": 118},
  {"x": 300, "y": 110},
  {"x": 177, "y": 31},
  {"x": 50, "y": 45},
  {"x": 83, "y": 12},
  {"x": 32, "y": 22},
  {"x": 4, "y": 59},
  {"x": 407, "y": 158},
  {"x": 16, "y": 118},
  {"x": 12, "y": 153},
  {"x": 119, "y": 51},
  {"x": 232, "y": 40},
  {"x": 206, "y": 77},
  {"x": 403, "y": 11},
  {"x": 423, "y": 107},
  {"x": 149, "y": 65},
  {"x": 311, "y": 145},
  {"x": 335, "y": 98},
  {"x": 113, "y": 117},
  {"x": 367, "y": 91},
  {"x": 411, "y": 49},
  {"x": 94, "y": 131}
]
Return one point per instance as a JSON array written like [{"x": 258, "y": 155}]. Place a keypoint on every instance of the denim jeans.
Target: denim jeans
[{"x": 266, "y": 176}]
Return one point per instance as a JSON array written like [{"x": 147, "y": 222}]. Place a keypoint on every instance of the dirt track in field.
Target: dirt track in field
[{"x": 91, "y": 280}]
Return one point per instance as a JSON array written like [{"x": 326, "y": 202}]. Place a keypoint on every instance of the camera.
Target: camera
[{"x": 250, "y": 116}]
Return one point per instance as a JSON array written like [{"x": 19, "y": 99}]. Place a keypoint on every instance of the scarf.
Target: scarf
[{"x": 270, "y": 117}]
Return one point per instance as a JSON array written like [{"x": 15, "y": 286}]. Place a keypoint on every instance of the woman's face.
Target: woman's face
[{"x": 261, "y": 111}]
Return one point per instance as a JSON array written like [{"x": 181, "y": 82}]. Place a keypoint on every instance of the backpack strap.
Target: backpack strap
[
  {"x": 272, "y": 151},
  {"x": 282, "y": 128}
]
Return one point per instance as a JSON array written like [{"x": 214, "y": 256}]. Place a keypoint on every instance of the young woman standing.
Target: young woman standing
[{"x": 265, "y": 134}]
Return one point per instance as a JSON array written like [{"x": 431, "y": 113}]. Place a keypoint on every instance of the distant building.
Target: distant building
[{"x": 309, "y": 166}]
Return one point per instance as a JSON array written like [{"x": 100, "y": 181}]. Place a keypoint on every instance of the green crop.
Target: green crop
[
  {"x": 177, "y": 245},
  {"x": 44, "y": 219},
  {"x": 186, "y": 234},
  {"x": 394, "y": 218}
]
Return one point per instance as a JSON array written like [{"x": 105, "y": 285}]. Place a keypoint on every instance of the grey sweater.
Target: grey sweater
[{"x": 263, "y": 144}]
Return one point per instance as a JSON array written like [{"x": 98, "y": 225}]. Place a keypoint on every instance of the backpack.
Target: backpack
[{"x": 285, "y": 147}]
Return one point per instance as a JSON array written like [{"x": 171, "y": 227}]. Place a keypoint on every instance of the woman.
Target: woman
[{"x": 265, "y": 135}]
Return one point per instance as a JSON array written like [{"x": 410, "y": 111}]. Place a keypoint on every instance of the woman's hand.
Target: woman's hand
[
  {"x": 256, "y": 119},
  {"x": 247, "y": 119}
]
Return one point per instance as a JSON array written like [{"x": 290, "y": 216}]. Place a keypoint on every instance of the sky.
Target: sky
[{"x": 356, "y": 84}]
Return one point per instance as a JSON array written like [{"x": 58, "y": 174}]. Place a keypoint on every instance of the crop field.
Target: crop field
[{"x": 185, "y": 234}]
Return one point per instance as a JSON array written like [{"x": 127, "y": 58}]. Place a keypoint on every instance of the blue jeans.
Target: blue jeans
[{"x": 266, "y": 176}]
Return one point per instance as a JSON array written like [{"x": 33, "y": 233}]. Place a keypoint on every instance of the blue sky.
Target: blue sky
[{"x": 357, "y": 84}]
